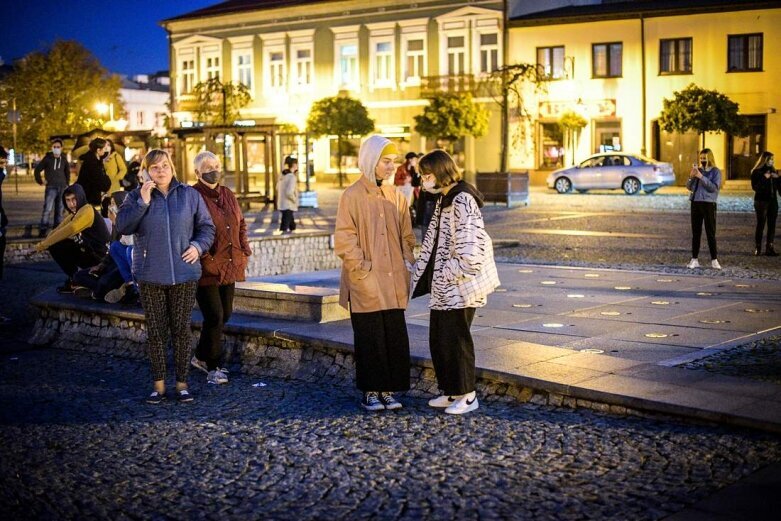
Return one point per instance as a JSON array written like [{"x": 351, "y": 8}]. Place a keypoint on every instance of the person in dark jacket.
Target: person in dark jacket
[
  {"x": 222, "y": 266},
  {"x": 92, "y": 175},
  {"x": 766, "y": 184},
  {"x": 3, "y": 219},
  {"x": 171, "y": 229},
  {"x": 56, "y": 176},
  {"x": 80, "y": 241}
]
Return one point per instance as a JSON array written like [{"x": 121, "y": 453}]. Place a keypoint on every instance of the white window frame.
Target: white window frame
[
  {"x": 302, "y": 41},
  {"x": 486, "y": 26},
  {"x": 469, "y": 22},
  {"x": 343, "y": 36},
  {"x": 272, "y": 44},
  {"x": 242, "y": 46},
  {"x": 382, "y": 33},
  {"x": 213, "y": 68},
  {"x": 186, "y": 57},
  {"x": 413, "y": 30},
  {"x": 194, "y": 48},
  {"x": 462, "y": 33}
]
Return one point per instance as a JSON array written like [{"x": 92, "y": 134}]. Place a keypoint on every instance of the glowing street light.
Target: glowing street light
[{"x": 104, "y": 108}]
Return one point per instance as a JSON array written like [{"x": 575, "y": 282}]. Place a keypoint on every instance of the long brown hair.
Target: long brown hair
[
  {"x": 442, "y": 165},
  {"x": 764, "y": 157}
]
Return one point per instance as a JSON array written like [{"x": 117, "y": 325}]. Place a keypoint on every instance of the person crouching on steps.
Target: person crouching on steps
[
  {"x": 222, "y": 266},
  {"x": 456, "y": 265},
  {"x": 171, "y": 229},
  {"x": 374, "y": 239}
]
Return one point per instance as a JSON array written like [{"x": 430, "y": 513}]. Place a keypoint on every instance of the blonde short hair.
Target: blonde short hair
[{"x": 154, "y": 156}]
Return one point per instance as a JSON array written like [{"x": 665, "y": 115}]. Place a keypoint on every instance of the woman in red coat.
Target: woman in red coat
[{"x": 222, "y": 266}]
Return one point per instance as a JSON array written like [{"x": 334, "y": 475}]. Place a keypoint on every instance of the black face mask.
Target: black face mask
[
  {"x": 210, "y": 177},
  {"x": 704, "y": 164},
  {"x": 104, "y": 155}
]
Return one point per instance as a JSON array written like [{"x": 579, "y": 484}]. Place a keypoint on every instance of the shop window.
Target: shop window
[{"x": 551, "y": 146}]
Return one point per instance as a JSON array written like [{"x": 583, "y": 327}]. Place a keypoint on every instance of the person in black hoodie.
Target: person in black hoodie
[
  {"x": 92, "y": 176},
  {"x": 80, "y": 241},
  {"x": 766, "y": 184},
  {"x": 56, "y": 175}
]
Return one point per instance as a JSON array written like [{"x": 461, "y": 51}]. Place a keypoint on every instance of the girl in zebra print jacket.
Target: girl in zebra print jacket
[{"x": 456, "y": 265}]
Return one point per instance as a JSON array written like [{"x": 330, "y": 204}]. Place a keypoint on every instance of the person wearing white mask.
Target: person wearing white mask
[
  {"x": 374, "y": 240},
  {"x": 56, "y": 177}
]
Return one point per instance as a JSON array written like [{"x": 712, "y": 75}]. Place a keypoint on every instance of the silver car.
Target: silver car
[{"x": 613, "y": 170}]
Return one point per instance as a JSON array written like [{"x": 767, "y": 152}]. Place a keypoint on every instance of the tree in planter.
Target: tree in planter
[
  {"x": 571, "y": 123},
  {"x": 701, "y": 110},
  {"x": 339, "y": 116},
  {"x": 449, "y": 117},
  {"x": 218, "y": 103},
  {"x": 56, "y": 92},
  {"x": 513, "y": 83}
]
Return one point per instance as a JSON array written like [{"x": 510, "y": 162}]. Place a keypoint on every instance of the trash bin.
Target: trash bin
[{"x": 511, "y": 188}]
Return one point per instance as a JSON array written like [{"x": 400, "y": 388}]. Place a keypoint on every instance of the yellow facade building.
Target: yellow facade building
[
  {"x": 387, "y": 53},
  {"x": 615, "y": 62}
]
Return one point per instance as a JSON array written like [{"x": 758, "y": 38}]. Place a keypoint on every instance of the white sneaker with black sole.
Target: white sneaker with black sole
[
  {"x": 440, "y": 402},
  {"x": 466, "y": 403},
  {"x": 389, "y": 401},
  {"x": 199, "y": 364},
  {"x": 371, "y": 402}
]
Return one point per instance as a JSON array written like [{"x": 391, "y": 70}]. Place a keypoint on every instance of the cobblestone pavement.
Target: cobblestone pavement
[
  {"x": 76, "y": 441},
  {"x": 757, "y": 360}
]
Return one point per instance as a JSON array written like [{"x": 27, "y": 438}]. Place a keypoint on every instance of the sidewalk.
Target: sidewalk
[
  {"x": 602, "y": 339},
  {"x": 612, "y": 337}
]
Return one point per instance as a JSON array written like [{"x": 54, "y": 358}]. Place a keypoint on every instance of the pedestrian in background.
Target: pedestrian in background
[
  {"x": 288, "y": 195},
  {"x": 56, "y": 177},
  {"x": 3, "y": 219},
  {"x": 427, "y": 201},
  {"x": 766, "y": 184},
  {"x": 92, "y": 174},
  {"x": 374, "y": 239},
  {"x": 115, "y": 167},
  {"x": 171, "y": 229},
  {"x": 704, "y": 184},
  {"x": 224, "y": 264},
  {"x": 456, "y": 266}
]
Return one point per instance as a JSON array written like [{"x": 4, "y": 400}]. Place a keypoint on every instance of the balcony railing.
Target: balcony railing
[{"x": 478, "y": 86}]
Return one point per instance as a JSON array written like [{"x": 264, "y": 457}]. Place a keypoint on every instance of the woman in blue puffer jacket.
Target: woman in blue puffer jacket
[{"x": 172, "y": 228}]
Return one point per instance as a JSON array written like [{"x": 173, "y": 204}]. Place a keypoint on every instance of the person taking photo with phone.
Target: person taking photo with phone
[{"x": 704, "y": 184}]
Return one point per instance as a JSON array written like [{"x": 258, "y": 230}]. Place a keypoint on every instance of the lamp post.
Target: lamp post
[{"x": 103, "y": 108}]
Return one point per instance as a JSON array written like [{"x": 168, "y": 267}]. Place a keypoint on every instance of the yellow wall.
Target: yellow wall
[{"x": 756, "y": 92}]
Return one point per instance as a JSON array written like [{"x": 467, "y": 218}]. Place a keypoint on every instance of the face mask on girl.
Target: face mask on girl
[
  {"x": 56, "y": 151},
  {"x": 704, "y": 164}
]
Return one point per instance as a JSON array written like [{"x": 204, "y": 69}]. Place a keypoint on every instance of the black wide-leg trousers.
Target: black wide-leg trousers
[
  {"x": 381, "y": 351},
  {"x": 452, "y": 350}
]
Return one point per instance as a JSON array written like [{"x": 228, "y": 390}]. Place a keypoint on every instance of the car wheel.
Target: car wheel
[
  {"x": 562, "y": 185},
  {"x": 582, "y": 190},
  {"x": 650, "y": 191},
  {"x": 631, "y": 185}
]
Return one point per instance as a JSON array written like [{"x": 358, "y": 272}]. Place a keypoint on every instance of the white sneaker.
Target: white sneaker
[
  {"x": 694, "y": 263},
  {"x": 715, "y": 264},
  {"x": 199, "y": 364},
  {"x": 440, "y": 402},
  {"x": 467, "y": 403},
  {"x": 216, "y": 377}
]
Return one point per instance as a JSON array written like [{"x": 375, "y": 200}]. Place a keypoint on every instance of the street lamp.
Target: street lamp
[{"x": 104, "y": 108}]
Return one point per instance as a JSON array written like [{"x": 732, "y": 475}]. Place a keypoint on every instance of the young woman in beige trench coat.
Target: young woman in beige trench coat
[{"x": 374, "y": 239}]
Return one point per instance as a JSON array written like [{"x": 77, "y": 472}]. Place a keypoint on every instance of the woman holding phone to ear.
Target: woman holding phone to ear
[{"x": 171, "y": 228}]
